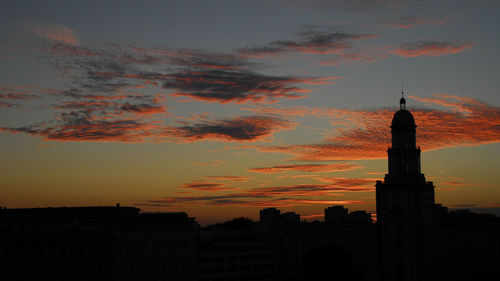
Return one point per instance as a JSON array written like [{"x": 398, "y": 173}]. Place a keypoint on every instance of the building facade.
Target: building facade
[{"x": 405, "y": 208}]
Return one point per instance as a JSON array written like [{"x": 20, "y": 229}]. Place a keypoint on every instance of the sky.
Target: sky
[{"x": 222, "y": 108}]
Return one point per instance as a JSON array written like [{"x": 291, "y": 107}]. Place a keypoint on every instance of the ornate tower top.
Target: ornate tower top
[
  {"x": 404, "y": 155},
  {"x": 402, "y": 102}
]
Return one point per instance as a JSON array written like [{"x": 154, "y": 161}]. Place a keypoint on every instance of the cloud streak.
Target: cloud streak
[
  {"x": 229, "y": 178},
  {"x": 311, "y": 42},
  {"x": 308, "y": 168},
  {"x": 287, "y": 195},
  {"x": 76, "y": 127},
  {"x": 205, "y": 186},
  {"x": 412, "y": 22},
  {"x": 19, "y": 93},
  {"x": 83, "y": 125},
  {"x": 232, "y": 200},
  {"x": 431, "y": 48},
  {"x": 283, "y": 202}
]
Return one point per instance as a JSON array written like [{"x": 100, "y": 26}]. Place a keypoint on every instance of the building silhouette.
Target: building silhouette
[
  {"x": 405, "y": 207},
  {"x": 96, "y": 243},
  {"x": 336, "y": 214},
  {"x": 412, "y": 239}
]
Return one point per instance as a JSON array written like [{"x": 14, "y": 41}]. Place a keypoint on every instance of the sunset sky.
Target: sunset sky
[{"x": 222, "y": 108}]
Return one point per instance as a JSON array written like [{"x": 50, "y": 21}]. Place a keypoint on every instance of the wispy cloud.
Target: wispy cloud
[
  {"x": 287, "y": 195},
  {"x": 446, "y": 183},
  {"x": 283, "y": 202},
  {"x": 307, "y": 189},
  {"x": 312, "y": 216},
  {"x": 77, "y": 127},
  {"x": 230, "y": 178},
  {"x": 234, "y": 86},
  {"x": 16, "y": 96},
  {"x": 310, "y": 42},
  {"x": 309, "y": 168},
  {"x": 236, "y": 199},
  {"x": 205, "y": 186},
  {"x": 84, "y": 125},
  {"x": 431, "y": 48},
  {"x": 251, "y": 128},
  {"x": 53, "y": 32},
  {"x": 143, "y": 108},
  {"x": 350, "y": 183}
]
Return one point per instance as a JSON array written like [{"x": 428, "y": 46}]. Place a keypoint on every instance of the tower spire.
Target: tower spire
[{"x": 402, "y": 101}]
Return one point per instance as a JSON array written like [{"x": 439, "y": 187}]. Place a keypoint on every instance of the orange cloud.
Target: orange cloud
[
  {"x": 350, "y": 183},
  {"x": 310, "y": 168},
  {"x": 271, "y": 196},
  {"x": 431, "y": 48},
  {"x": 284, "y": 202},
  {"x": 98, "y": 131},
  {"x": 471, "y": 122},
  {"x": 205, "y": 186},
  {"x": 447, "y": 183},
  {"x": 313, "y": 216},
  {"x": 456, "y": 183},
  {"x": 305, "y": 189},
  {"x": 230, "y": 178},
  {"x": 102, "y": 120}
]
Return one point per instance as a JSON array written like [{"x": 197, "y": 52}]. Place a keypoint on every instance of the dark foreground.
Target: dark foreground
[{"x": 120, "y": 243}]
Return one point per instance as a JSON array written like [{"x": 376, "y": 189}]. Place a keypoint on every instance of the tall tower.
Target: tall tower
[{"x": 405, "y": 207}]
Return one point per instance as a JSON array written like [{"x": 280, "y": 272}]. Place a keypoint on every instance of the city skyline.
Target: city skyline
[{"x": 223, "y": 109}]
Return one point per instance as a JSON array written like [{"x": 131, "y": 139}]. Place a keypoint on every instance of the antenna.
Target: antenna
[{"x": 402, "y": 101}]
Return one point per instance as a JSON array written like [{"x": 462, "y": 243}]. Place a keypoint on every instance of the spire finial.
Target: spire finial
[{"x": 402, "y": 101}]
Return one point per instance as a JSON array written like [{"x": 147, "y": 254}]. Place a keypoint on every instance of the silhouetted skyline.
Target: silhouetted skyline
[{"x": 412, "y": 239}]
